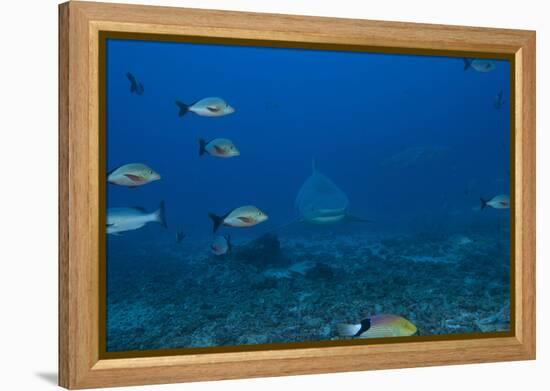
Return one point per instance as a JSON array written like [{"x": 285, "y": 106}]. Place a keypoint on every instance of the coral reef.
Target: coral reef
[
  {"x": 298, "y": 288},
  {"x": 264, "y": 251}
]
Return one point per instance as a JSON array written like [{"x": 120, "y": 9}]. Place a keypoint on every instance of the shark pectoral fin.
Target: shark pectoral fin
[{"x": 355, "y": 219}]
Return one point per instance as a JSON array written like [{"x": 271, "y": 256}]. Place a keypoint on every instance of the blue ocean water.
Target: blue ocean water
[{"x": 413, "y": 141}]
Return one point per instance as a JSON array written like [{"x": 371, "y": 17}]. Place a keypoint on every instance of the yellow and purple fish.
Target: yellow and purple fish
[
  {"x": 242, "y": 217},
  {"x": 219, "y": 147},
  {"x": 378, "y": 326}
]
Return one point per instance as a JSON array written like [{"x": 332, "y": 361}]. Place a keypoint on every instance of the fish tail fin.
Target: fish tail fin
[
  {"x": 132, "y": 79},
  {"x": 160, "y": 215},
  {"x": 202, "y": 147},
  {"x": 348, "y": 330},
  {"x": 183, "y": 108},
  {"x": 483, "y": 203},
  {"x": 216, "y": 220},
  {"x": 467, "y": 63}
]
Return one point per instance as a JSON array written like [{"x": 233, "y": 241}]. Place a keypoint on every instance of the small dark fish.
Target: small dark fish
[
  {"x": 135, "y": 86},
  {"x": 499, "y": 100},
  {"x": 179, "y": 237}
]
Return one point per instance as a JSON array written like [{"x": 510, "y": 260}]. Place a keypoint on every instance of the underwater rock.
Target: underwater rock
[
  {"x": 263, "y": 251},
  {"x": 497, "y": 322},
  {"x": 254, "y": 339},
  {"x": 261, "y": 282},
  {"x": 300, "y": 268},
  {"x": 320, "y": 271},
  {"x": 277, "y": 274},
  {"x": 323, "y": 279},
  {"x": 313, "y": 322},
  {"x": 325, "y": 331}
]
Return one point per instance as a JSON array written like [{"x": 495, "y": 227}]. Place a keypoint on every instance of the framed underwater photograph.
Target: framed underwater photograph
[{"x": 297, "y": 194}]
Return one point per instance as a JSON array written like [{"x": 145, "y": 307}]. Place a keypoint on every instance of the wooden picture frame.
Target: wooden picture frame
[{"x": 81, "y": 364}]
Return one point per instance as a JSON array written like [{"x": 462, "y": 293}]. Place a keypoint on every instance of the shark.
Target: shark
[{"x": 321, "y": 202}]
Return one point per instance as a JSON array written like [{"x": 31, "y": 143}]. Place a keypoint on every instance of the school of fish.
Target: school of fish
[{"x": 327, "y": 208}]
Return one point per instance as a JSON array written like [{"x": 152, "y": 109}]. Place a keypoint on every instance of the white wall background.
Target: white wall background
[{"x": 28, "y": 173}]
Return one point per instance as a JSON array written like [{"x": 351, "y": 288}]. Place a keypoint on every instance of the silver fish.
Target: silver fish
[
  {"x": 129, "y": 219},
  {"x": 207, "y": 107},
  {"x": 243, "y": 217},
  {"x": 479, "y": 65},
  {"x": 132, "y": 175},
  {"x": 498, "y": 202},
  {"x": 180, "y": 236},
  {"x": 221, "y": 245},
  {"x": 219, "y": 147}
]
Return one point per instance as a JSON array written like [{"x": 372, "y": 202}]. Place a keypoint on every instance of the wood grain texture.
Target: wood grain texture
[
  {"x": 63, "y": 221},
  {"x": 527, "y": 133},
  {"x": 79, "y": 167}
]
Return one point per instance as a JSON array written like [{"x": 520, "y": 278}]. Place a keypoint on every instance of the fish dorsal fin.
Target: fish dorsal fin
[
  {"x": 140, "y": 208},
  {"x": 113, "y": 170}
]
